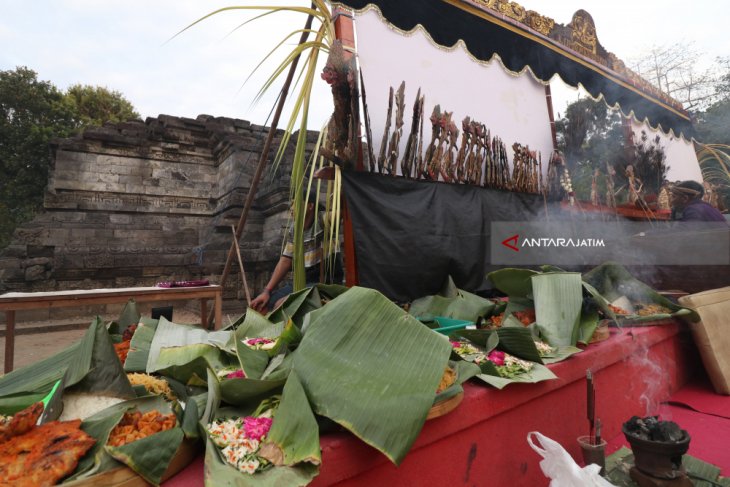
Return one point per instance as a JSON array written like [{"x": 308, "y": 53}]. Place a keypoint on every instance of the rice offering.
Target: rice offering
[
  {"x": 77, "y": 405},
  {"x": 153, "y": 385}
]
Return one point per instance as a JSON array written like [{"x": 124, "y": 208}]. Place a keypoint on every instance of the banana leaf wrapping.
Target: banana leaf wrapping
[
  {"x": 292, "y": 443},
  {"x": 372, "y": 368},
  {"x": 612, "y": 281},
  {"x": 149, "y": 457},
  {"x": 452, "y": 302},
  {"x": 90, "y": 365},
  {"x": 517, "y": 341}
]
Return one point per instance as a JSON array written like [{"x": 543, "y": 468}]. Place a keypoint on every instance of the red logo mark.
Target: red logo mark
[{"x": 512, "y": 245}]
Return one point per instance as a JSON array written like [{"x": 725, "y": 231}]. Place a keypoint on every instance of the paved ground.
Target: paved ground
[{"x": 44, "y": 342}]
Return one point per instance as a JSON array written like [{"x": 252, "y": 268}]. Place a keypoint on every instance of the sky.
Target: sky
[{"x": 128, "y": 46}]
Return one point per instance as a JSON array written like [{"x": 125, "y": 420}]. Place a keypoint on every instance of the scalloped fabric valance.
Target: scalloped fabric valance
[{"x": 486, "y": 34}]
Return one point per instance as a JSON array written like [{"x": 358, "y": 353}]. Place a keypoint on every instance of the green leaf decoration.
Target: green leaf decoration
[
  {"x": 513, "y": 282},
  {"x": 294, "y": 434},
  {"x": 613, "y": 281},
  {"x": 369, "y": 366},
  {"x": 150, "y": 456},
  {"x": 537, "y": 374},
  {"x": 452, "y": 303},
  {"x": 255, "y": 324},
  {"x": 558, "y": 306}
]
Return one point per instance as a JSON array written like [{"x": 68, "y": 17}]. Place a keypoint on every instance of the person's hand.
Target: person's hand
[{"x": 259, "y": 302}]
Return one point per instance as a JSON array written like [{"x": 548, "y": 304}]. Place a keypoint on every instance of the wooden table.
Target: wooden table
[{"x": 12, "y": 302}]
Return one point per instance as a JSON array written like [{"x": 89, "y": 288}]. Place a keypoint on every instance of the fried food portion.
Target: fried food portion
[
  {"x": 44, "y": 455},
  {"x": 122, "y": 350},
  {"x": 447, "y": 379},
  {"x": 652, "y": 309},
  {"x": 136, "y": 425},
  {"x": 618, "y": 311},
  {"x": 22, "y": 422}
]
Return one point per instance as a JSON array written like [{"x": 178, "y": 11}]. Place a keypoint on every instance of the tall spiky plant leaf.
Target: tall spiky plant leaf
[{"x": 369, "y": 366}]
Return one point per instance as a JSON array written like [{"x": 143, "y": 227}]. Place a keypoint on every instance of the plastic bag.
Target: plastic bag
[{"x": 560, "y": 468}]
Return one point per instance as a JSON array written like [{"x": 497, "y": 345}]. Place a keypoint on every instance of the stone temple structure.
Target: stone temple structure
[{"x": 136, "y": 203}]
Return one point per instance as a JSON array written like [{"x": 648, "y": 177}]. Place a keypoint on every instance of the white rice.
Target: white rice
[{"x": 78, "y": 405}]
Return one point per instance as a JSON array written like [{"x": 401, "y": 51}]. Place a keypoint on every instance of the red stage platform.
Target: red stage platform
[{"x": 483, "y": 442}]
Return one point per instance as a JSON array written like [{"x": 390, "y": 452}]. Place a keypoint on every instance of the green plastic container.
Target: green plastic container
[{"x": 448, "y": 325}]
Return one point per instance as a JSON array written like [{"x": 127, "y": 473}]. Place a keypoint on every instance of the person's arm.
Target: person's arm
[{"x": 280, "y": 271}]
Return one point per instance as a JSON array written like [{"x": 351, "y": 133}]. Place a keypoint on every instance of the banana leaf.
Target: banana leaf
[
  {"x": 150, "y": 456},
  {"x": 294, "y": 434},
  {"x": 188, "y": 364},
  {"x": 253, "y": 362},
  {"x": 612, "y": 281},
  {"x": 241, "y": 392},
  {"x": 13, "y": 403},
  {"x": 558, "y": 306},
  {"x": 560, "y": 354},
  {"x": 218, "y": 473},
  {"x": 517, "y": 341},
  {"x": 513, "y": 282},
  {"x": 255, "y": 324},
  {"x": 296, "y": 306},
  {"x": 139, "y": 346},
  {"x": 129, "y": 316},
  {"x": 170, "y": 334},
  {"x": 538, "y": 373},
  {"x": 452, "y": 302},
  {"x": 369, "y": 366},
  {"x": 91, "y": 363},
  {"x": 587, "y": 325},
  {"x": 331, "y": 291},
  {"x": 96, "y": 459},
  {"x": 464, "y": 371},
  {"x": 517, "y": 303},
  {"x": 100, "y": 458}
]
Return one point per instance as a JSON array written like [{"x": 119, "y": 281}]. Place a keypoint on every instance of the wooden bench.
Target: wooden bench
[{"x": 12, "y": 302}]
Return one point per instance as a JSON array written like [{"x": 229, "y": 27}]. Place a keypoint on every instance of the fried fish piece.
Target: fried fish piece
[
  {"x": 43, "y": 456},
  {"x": 22, "y": 422}
]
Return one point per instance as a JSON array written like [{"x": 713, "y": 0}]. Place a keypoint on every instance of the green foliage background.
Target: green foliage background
[{"x": 32, "y": 112}]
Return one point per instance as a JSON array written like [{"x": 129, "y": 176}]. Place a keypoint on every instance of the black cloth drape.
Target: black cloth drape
[{"x": 411, "y": 235}]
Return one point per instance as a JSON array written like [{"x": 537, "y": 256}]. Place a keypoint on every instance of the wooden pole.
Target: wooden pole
[
  {"x": 264, "y": 153},
  {"x": 240, "y": 263}
]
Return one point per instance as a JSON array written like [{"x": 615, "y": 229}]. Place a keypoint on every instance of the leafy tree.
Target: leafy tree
[
  {"x": 592, "y": 136},
  {"x": 95, "y": 105},
  {"x": 32, "y": 112}
]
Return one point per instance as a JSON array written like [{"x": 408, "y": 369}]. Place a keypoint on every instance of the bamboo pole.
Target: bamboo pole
[
  {"x": 240, "y": 264},
  {"x": 264, "y": 153}
]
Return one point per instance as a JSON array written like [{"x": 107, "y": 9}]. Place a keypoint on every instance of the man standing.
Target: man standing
[
  {"x": 313, "y": 237},
  {"x": 687, "y": 204}
]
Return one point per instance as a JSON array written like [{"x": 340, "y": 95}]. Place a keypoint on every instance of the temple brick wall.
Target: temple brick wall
[{"x": 136, "y": 203}]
